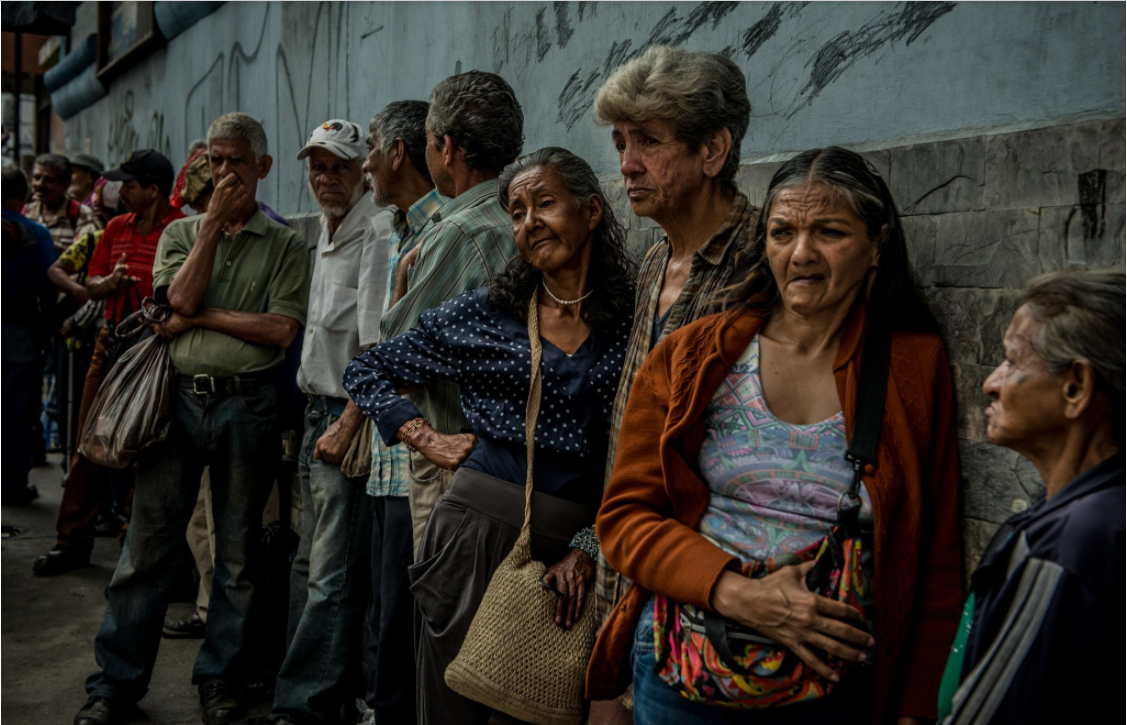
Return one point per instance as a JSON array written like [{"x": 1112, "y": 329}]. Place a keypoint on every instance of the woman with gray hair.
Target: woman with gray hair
[
  {"x": 678, "y": 119},
  {"x": 571, "y": 278},
  {"x": 1046, "y": 603}
]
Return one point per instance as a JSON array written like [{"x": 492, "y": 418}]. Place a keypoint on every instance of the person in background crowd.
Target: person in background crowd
[
  {"x": 732, "y": 459},
  {"x": 80, "y": 329},
  {"x": 27, "y": 253},
  {"x": 329, "y": 578},
  {"x": 85, "y": 172},
  {"x": 65, "y": 218},
  {"x": 397, "y": 172},
  {"x": 1046, "y": 600},
  {"x": 572, "y": 265},
  {"x": 238, "y": 285},
  {"x": 193, "y": 184},
  {"x": 200, "y": 144},
  {"x": 120, "y": 272},
  {"x": 474, "y": 129},
  {"x": 679, "y": 118}
]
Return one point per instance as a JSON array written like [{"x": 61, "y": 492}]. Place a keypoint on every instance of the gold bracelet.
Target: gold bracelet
[{"x": 412, "y": 427}]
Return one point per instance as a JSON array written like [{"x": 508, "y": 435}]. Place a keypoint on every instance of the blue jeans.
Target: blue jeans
[
  {"x": 391, "y": 642},
  {"x": 656, "y": 703},
  {"x": 22, "y": 385},
  {"x": 328, "y": 589},
  {"x": 235, "y": 436}
]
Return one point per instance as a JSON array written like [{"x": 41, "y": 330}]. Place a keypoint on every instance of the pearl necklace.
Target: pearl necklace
[{"x": 563, "y": 302}]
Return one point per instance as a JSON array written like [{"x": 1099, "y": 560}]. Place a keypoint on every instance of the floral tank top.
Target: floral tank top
[{"x": 774, "y": 486}]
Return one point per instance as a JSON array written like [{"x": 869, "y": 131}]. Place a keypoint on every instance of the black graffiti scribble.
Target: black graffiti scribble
[
  {"x": 543, "y": 44},
  {"x": 672, "y": 29},
  {"x": 563, "y": 25},
  {"x": 845, "y": 49},
  {"x": 764, "y": 29},
  {"x": 583, "y": 4}
]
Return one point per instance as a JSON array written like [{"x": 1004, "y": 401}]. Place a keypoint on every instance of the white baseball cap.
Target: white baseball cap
[{"x": 341, "y": 138}]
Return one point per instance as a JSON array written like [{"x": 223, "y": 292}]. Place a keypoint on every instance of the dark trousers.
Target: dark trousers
[
  {"x": 391, "y": 653},
  {"x": 469, "y": 533},
  {"x": 87, "y": 484},
  {"x": 235, "y": 435},
  {"x": 22, "y": 383}
]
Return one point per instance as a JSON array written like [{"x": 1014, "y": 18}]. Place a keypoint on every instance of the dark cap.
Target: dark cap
[
  {"x": 88, "y": 162},
  {"x": 145, "y": 165}
]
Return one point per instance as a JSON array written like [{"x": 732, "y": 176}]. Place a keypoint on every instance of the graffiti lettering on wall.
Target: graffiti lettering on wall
[
  {"x": 124, "y": 137},
  {"x": 298, "y": 100}
]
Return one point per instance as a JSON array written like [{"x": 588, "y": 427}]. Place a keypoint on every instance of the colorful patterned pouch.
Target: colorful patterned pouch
[{"x": 708, "y": 658}]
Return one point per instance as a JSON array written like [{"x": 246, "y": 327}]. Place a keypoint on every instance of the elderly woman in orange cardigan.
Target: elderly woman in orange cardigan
[{"x": 731, "y": 468}]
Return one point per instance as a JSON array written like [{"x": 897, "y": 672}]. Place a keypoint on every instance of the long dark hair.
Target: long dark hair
[
  {"x": 610, "y": 277},
  {"x": 894, "y": 297}
]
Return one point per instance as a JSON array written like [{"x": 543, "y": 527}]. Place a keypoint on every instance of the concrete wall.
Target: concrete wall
[
  {"x": 869, "y": 74},
  {"x": 999, "y": 127}
]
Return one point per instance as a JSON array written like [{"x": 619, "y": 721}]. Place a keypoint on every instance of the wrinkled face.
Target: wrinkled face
[
  {"x": 552, "y": 229},
  {"x": 136, "y": 197},
  {"x": 336, "y": 182},
  {"x": 233, "y": 156},
  {"x": 1026, "y": 401},
  {"x": 443, "y": 181},
  {"x": 819, "y": 250},
  {"x": 659, "y": 171},
  {"x": 48, "y": 187},
  {"x": 377, "y": 171}
]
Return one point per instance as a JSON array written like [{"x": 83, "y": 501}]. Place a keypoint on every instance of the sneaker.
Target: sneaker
[{"x": 60, "y": 560}]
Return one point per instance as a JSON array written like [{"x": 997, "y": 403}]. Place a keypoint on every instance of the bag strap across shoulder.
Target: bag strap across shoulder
[
  {"x": 871, "y": 390},
  {"x": 532, "y": 412}
]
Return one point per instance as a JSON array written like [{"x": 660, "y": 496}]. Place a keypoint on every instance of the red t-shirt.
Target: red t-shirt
[{"x": 121, "y": 237}]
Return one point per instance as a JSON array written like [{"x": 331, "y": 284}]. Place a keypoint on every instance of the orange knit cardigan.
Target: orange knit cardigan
[{"x": 648, "y": 523}]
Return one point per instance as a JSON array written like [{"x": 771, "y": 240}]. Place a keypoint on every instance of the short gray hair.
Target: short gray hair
[
  {"x": 699, "y": 93},
  {"x": 59, "y": 164},
  {"x": 481, "y": 112},
  {"x": 200, "y": 144},
  {"x": 406, "y": 120},
  {"x": 1080, "y": 316},
  {"x": 239, "y": 126}
]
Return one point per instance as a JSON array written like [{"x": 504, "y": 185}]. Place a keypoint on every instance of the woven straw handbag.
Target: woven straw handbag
[{"x": 515, "y": 659}]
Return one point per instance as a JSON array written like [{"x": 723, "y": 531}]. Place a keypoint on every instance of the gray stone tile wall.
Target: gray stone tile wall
[{"x": 984, "y": 215}]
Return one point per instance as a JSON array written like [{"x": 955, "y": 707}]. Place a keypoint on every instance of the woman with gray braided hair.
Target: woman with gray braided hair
[
  {"x": 573, "y": 271},
  {"x": 742, "y": 453}
]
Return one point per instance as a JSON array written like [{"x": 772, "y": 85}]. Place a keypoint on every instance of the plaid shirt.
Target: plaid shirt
[
  {"x": 721, "y": 261},
  {"x": 461, "y": 251},
  {"x": 390, "y": 464}
]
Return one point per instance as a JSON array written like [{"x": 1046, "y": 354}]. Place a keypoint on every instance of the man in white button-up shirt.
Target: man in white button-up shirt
[{"x": 329, "y": 580}]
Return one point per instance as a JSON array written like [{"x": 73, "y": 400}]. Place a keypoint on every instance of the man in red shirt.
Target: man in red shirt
[{"x": 121, "y": 272}]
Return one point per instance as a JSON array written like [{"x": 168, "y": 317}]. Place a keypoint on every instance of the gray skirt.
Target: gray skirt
[{"x": 470, "y": 532}]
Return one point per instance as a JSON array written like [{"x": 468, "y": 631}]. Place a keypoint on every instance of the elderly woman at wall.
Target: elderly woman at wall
[
  {"x": 571, "y": 261},
  {"x": 1046, "y": 606},
  {"x": 678, "y": 119},
  {"x": 731, "y": 460}
]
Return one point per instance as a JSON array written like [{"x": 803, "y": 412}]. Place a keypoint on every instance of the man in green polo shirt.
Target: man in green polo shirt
[{"x": 239, "y": 285}]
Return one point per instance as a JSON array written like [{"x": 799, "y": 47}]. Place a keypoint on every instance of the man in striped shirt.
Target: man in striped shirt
[
  {"x": 474, "y": 128},
  {"x": 397, "y": 171}
]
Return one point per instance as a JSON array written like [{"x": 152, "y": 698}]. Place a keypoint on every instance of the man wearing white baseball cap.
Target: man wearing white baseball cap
[{"x": 329, "y": 580}]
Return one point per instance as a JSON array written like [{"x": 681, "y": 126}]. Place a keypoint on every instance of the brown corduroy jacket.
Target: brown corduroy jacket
[{"x": 648, "y": 523}]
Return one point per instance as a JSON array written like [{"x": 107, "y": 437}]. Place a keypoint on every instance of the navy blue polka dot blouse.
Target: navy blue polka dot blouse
[{"x": 485, "y": 351}]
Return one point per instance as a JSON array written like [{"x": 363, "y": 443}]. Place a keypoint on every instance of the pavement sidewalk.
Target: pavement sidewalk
[{"x": 48, "y": 624}]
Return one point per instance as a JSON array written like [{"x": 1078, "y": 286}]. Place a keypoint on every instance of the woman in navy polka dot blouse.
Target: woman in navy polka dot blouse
[{"x": 572, "y": 258}]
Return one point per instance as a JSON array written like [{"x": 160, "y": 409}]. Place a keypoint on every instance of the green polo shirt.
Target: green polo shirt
[{"x": 263, "y": 268}]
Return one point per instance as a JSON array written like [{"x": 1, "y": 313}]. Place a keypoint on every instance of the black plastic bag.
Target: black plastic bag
[{"x": 134, "y": 405}]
